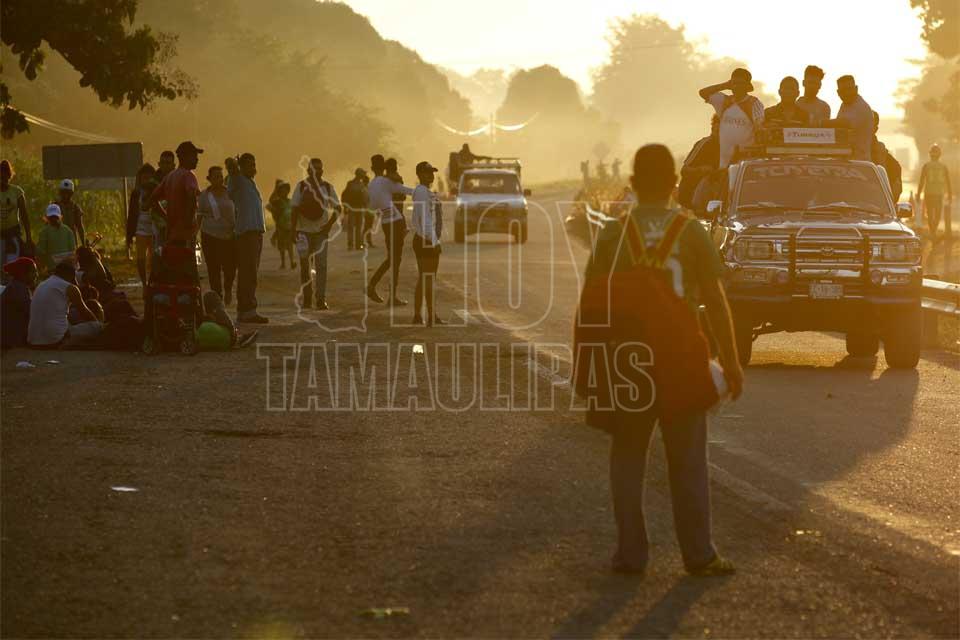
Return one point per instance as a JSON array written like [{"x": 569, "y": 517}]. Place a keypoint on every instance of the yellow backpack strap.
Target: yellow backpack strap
[
  {"x": 670, "y": 237},
  {"x": 638, "y": 246}
]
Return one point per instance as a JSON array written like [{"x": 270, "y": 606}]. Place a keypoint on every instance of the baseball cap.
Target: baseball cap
[
  {"x": 425, "y": 166},
  {"x": 53, "y": 211},
  {"x": 66, "y": 185},
  {"x": 188, "y": 147}
]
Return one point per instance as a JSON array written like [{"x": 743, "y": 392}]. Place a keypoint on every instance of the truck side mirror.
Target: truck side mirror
[
  {"x": 714, "y": 209},
  {"x": 904, "y": 210},
  {"x": 527, "y": 193}
]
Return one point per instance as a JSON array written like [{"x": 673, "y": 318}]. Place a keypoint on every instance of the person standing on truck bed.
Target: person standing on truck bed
[
  {"x": 882, "y": 157},
  {"x": 787, "y": 112},
  {"x": 818, "y": 110},
  {"x": 855, "y": 114},
  {"x": 381, "y": 190},
  {"x": 465, "y": 156},
  {"x": 740, "y": 114}
]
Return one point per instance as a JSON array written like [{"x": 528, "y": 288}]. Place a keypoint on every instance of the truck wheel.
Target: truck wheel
[
  {"x": 862, "y": 345},
  {"x": 458, "y": 234},
  {"x": 520, "y": 234},
  {"x": 903, "y": 340},
  {"x": 743, "y": 335}
]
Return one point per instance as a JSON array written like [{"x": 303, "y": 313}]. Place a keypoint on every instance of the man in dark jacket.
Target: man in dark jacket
[{"x": 355, "y": 201}]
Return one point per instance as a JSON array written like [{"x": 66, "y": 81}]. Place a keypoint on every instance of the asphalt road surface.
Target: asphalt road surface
[{"x": 287, "y": 491}]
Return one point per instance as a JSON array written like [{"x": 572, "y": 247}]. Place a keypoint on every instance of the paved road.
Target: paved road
[{"x": 260, "y": 510}]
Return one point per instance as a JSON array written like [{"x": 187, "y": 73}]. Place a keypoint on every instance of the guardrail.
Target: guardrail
[{"x": 941, "y": 300}]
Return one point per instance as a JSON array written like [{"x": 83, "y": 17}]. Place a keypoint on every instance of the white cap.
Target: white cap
[
  {"x": 54, "y": 210},
  {"x": 66, "y": 185}
]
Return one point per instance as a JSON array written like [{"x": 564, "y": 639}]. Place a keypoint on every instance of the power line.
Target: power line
[{"x": 67, "y": 131}]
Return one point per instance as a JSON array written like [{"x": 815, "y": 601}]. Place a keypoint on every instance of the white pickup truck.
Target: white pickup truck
[{"x": 490, "y": 199}]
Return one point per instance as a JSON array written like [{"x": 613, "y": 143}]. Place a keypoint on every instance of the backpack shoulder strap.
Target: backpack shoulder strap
[
  {"x": 670, "y": 237},
  {"x": 638, "y": 245}
]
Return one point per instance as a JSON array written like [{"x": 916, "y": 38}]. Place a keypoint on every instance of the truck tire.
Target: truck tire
[
  {"x": 743, "y": 335},
  {"x": 520, "y": 234},
  {"x": 862, "y": 345},
  {"x": 903, "y": 340},
  {"x": 458, "y": 232}
]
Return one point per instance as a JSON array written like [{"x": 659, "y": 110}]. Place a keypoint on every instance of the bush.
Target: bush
[{"x": 103, "y": 211}]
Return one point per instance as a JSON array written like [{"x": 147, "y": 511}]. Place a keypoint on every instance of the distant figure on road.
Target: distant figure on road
[
  {"x": 935, "y": 183},
  {"x": 615, "y": 168},
  {"x": 585, "y": 172},
  {"x": 381, "y": 190},
  {"x": 72, "y": 213},
  {"x": 315, "y": 210},
  {"x": 787, "y": 113},
  {"x": 882, "y": 157},
  {"x": 695, "y": 271},
  {"x": 355, "y": 201},
  {"x": 14, "y": 221},
  {"x": 218, "y": 220},
  {"x": 250, "y": 227},
  {"x": 817, "y": 109},
  {"x": 281, "y": 210},
  {"x": 140, "y": 228},
  {"x": 465, "y": 156},
  {"x": 741, "y": 114},
  {"x": 855, "y": 114},
  {"x": 427, "y": 224}
]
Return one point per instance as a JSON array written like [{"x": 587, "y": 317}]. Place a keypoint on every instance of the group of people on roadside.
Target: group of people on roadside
[{"x": 738, "y": 116}]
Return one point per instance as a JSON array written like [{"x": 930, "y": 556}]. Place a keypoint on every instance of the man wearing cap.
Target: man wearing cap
[
  {"x": 315, "y": 209},
  {"x": 817, "y": 109},
  {"x": 935, "y": 190},
  {"x": 71, "y": 211},
  {"x": 56, "y": 242},
  {"x": 179, "y": 190},
  {"x": 427, "y": 223},
  {"x": 355, "y": 199},
  {"x": 740, "y": 113},
  {"x": 855, "y": 114}
]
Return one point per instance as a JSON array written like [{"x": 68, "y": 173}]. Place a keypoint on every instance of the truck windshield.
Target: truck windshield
[
  {"x": 491, "y": 183},
  {"x": 804, "y": 186}
]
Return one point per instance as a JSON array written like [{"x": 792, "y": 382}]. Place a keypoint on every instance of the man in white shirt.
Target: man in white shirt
[
  {"x": 427, "y": 226},
  {"x": 740, "y": 114},
  {"x": 315, "y": 207},
  {"x": 857, "y": 115},
  {"x": 380, "y": 192},
  {"x": 818, "y": 110}
]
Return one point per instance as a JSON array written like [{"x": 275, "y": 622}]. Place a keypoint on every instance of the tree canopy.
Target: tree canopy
[{"x": 120, "y": 63}]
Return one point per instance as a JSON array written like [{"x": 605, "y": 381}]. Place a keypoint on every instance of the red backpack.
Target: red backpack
[{"x": 638, "y": 308}]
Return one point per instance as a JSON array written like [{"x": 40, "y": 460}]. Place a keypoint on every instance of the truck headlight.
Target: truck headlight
[
  {"x": 901, "y": 251},
  {"x": 746, "y": 250}
]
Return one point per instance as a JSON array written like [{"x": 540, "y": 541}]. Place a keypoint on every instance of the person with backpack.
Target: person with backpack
[
  {"x": 315, "y": 209},
  {"x": 644, "y": 282},
  {"x": 741, "y": 114},
  {"x": 355, "y": 200}
]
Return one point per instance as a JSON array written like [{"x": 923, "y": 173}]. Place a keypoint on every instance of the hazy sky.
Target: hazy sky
[{"x": 872, "y": 39}]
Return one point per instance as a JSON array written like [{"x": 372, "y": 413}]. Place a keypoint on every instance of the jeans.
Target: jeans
[
  {"x": 393, "y": 236},
  {"x": 249, "y": 248},
  {"x": 354, "y": 228},
  {"x": 221, "y": 259},
  {"x": 317, "y": 250},
  {"x": 686, "y": 448}
]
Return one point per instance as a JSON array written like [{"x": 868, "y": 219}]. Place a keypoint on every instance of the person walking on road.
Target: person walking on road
[
  {"x": 381, "y": 190},
  {"x": 355, "y": 201},
  {"x": 217, "y": 227},
  {"x": 315, "y": 209},
  {"x": 14, "y": 221},
  {"x": 696, "y": 271},
  {"x": 250, "y": 227},
  {"x": 427, "y": 222},
  {"x": 935, "y": 183}
]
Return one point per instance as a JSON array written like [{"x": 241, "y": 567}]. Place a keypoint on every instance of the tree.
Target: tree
[
  {"x": 941, "y": 32},
  {"x": 96, "y": 37},
  {"x": 941, "y": 25},
  {"x": 649, "y": 86}
]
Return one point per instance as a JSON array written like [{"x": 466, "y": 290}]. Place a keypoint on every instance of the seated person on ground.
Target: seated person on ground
[
  {"x": 15, "y": 302},
  {"x": 49, "y": 326}
]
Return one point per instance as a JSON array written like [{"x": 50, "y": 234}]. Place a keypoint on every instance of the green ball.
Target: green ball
[{"x": 213, "y": 337}]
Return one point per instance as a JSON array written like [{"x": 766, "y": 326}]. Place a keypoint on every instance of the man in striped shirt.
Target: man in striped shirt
[{"x": 380, "y": 191}]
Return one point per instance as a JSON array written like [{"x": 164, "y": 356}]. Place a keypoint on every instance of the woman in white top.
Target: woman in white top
[{"x": 427, "y": 226}]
